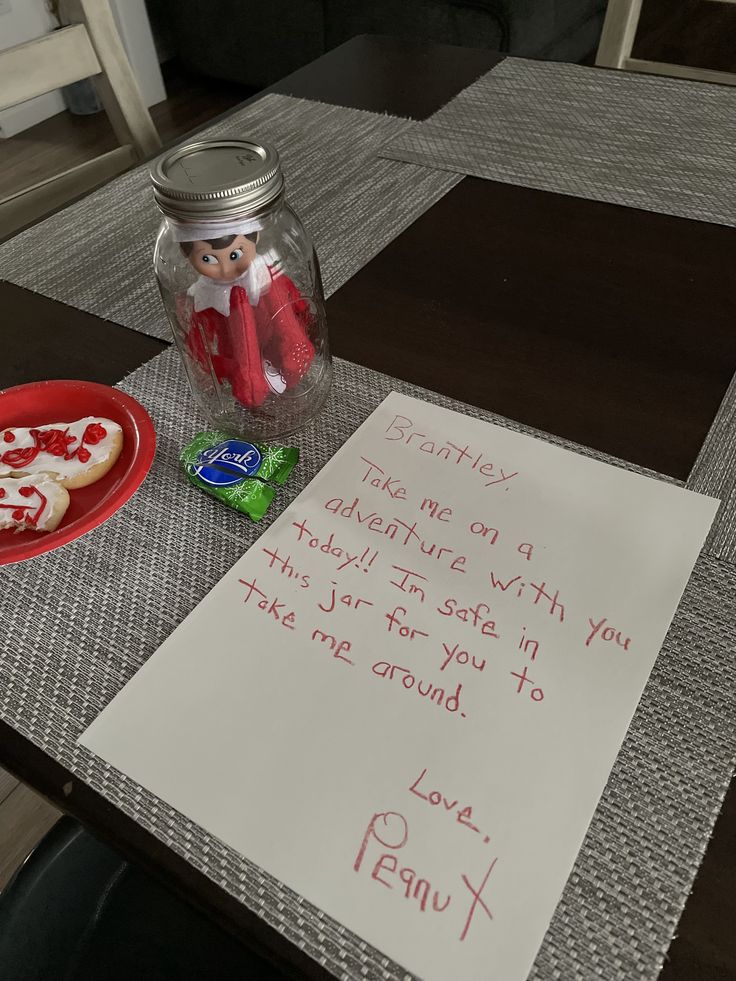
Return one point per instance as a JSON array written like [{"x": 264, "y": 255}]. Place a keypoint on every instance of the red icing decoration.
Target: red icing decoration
[
  {"x": 56, "y": 442},
  {"x": 94, "y": 433},
  {"x": 25, "y": 512},
  {"x": 20, "y": 458},
  {"x": 39, "y": 512}
]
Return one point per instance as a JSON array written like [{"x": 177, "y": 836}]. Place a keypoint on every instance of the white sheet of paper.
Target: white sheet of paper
[{"x": 405, "y": 699}]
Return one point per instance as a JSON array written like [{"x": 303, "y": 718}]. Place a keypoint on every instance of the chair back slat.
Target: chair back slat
[{"x": 40, "y": 66}]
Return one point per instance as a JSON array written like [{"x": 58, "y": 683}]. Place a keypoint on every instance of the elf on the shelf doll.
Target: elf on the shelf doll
[{"x": 248, "y": 320}]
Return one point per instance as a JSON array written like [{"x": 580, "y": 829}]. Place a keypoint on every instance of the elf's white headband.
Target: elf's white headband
[{"x": 206, "y": 231}]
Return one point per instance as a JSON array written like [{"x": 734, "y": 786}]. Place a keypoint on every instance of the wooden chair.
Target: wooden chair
[
  {"x": 91, "y": 46},
  {"x": 617, "y": 41}
]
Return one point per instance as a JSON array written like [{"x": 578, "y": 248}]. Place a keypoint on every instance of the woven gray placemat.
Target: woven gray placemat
[
  {"x": 659, "y": 144},
  {"x": 122, "y": 589},
  {"x": 96, "y": 255},
  {"x": 714, "y": 474}
]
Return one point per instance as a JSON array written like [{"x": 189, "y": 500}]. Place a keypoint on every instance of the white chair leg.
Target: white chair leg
[
  {"x": 117, "y": 86},
  {"x": 619, "y": 31}
]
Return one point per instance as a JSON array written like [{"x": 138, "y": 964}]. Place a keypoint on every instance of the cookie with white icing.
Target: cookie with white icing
[
  {"x": 33, "y": 503},
  {"x": 74, "y": 453}
]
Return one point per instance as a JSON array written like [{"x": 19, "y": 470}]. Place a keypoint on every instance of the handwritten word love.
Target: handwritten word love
[{"x": 463, "y": 815}]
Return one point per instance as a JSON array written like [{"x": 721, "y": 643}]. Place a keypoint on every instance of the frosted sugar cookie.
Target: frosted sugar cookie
[
  {"x": 75, "y": 453},
  {"x": 35, "y": 503}
]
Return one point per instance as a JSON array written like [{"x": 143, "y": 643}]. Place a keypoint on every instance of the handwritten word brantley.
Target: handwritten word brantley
[
  {"x": 389, "y": 830},
  {"x": 402, "y": 428}
]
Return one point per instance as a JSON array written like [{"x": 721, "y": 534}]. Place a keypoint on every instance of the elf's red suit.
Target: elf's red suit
[{"x": 257, "y": 347}]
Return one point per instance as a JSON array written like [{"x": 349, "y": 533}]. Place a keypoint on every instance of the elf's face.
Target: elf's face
[{"x": 225, "y": 264}]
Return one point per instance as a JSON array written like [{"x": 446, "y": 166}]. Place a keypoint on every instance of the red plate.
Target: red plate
[{"x": 41, "y": 403}]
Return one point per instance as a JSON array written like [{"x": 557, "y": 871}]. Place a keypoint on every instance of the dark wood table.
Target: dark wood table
[{"x": 607, "y": 325}]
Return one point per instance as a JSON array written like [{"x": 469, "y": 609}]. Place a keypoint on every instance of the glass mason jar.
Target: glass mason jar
[{"x": 241, "y": 285}]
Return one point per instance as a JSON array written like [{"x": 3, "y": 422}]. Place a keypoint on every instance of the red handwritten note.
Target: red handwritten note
[{"x": 405, "y": 700}]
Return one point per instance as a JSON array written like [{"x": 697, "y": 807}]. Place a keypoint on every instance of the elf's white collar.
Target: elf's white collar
[{"x": 256, "y": 280}]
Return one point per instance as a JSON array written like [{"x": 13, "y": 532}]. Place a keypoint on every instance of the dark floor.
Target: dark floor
[{"x": 63, "y": 141}]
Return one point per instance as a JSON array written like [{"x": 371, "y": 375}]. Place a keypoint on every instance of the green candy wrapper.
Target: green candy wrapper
[
  {"x": 234, "y": 470},
  {"x": 250, "y": 496}
]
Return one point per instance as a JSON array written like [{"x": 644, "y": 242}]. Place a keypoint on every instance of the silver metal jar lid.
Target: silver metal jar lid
[{"x": 217, "y": 179}]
